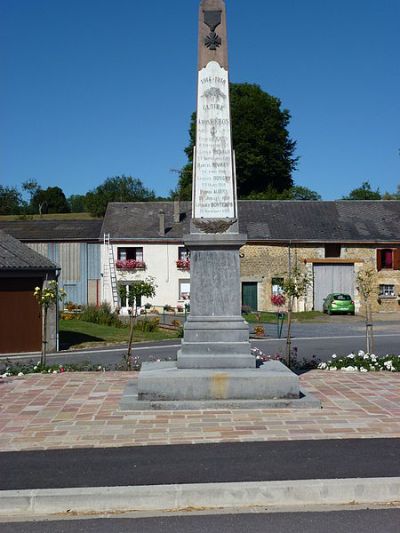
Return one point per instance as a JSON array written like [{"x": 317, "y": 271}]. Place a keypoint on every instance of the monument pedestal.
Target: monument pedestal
[{"x": 215, "y": 334}]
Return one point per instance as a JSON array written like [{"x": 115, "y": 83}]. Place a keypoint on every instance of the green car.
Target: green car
[{"x": 338, "y": 302}]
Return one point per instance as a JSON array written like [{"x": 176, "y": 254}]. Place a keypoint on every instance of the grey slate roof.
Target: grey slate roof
[
  {"x": 296, "y": 221},
  {"x": 57, "y": 230},
  {"x": 17, "y": 256},
  {"x": 262, "y": 220}
]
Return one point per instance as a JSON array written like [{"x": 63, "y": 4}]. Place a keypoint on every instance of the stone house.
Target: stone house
[{"x": 331, "y": 241}]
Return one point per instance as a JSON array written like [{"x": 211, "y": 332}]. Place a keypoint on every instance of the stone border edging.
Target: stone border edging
[{"x": 354, "y": 491}]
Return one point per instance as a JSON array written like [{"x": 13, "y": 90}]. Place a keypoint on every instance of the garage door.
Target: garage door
[
  {"x": 20, "y": 322},
  {"x": 332, "y": 278}
]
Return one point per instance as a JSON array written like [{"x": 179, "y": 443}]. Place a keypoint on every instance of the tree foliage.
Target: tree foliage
[
  {"x": 296, "y": 192},
  {"x": 50, "y": 200},
  {"x": 10, "y": 200},
  {"x": 263, "y": 148},
  {"x": 77, "y": 203},
  {"x": 117, "y": 189},
  {"x": 364, "y": 193}
]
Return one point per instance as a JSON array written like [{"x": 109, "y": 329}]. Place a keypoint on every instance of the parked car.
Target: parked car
[{"x": 338, "y": 302}]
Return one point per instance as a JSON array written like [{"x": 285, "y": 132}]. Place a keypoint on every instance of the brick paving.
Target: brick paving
[{"x": 81, "y": 410}]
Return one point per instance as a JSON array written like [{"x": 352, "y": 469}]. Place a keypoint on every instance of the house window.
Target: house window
[
  {"x": 133, "y": 252},
  {"x": 276, "y": 286},
  {"x": 183, "y": 253},
  {"x": 386, "y": 290},
  {"x": 184, "y": 289},
  {"x": 333, "y": 250}
]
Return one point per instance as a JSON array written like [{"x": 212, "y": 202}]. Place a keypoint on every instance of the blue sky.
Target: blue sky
[{"x": 98, "y": 88}]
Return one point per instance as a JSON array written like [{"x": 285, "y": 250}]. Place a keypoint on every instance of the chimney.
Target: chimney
[
  {"x": 161, "y": 216},
  {"x": 177, "y": 211}
]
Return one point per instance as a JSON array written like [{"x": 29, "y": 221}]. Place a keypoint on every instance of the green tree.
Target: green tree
[
  {"x": 10, "y": 200},
  {"x": 117, "y": 189},
  {"x": 296, "y": 192},
  {"x": 77, "y": 203},
  {"x": 136, "y": 290},
  {"x": 50, "y": 200},
  {"x": 364, "y": 193},
  {"x": 263, "y": 148},
  {"x": 294, "y": 286}
]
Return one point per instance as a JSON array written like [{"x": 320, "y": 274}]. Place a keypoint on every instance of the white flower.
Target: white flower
[
  {"x": 363, "y": 369},
  {"x": 361, "y": 353},
  {"x": 350, "y": 356},
  {"x": 322, "y": 366},
  {"x": 5, "y": 375},
  {"x": 373, "y": 357},
  {"x": 388, "y": 364},
  {"x": 55, "y": 372},
  {"x": 49, "y": 371},
  {"x": 334, "y": 356},
  {"x": 366, "y": 356},
  {"x": 20, "y": 374},
  {"x": 334, "y": 368},
  {"x": 35, "y": 367},
  {"x": 350, "y": 369}
]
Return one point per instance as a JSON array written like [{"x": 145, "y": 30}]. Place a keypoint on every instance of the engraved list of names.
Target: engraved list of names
[{"x": 214, "y": 184}]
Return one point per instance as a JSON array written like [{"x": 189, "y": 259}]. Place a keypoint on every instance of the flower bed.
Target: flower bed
[{"x": 362, "y": 362}]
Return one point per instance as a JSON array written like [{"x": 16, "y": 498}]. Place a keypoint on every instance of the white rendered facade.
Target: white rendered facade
[{"x": 160, "y": 263}]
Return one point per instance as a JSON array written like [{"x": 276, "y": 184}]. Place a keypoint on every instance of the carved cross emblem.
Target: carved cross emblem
[{"x": 212, "y": 19}]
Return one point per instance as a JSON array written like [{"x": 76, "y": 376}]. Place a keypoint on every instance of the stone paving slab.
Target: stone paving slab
[{"x": 80, "y": 410}]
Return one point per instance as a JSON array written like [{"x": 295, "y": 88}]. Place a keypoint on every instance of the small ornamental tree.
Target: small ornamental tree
[
  {"x": 136, "y": 290},
  {"x": 47, "y": 297},
  {"x": 294, "y": 286},
  {"x": 366, "y": 282}
]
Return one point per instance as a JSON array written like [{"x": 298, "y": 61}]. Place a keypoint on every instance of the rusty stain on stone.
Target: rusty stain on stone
[{"x": 219, "y": 385}]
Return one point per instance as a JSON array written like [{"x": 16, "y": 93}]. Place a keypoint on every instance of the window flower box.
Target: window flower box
[
  {"x": 183, "y": 264},
  {"x": 130, "y": 264}
]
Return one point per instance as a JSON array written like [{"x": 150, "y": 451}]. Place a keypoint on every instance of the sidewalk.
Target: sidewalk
[{"x": 80, "y": 410}]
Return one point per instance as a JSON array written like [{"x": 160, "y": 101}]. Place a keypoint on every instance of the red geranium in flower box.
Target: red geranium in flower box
[
  {"x": 183, "y": 264},
  {"x": 129, "y": 264}
]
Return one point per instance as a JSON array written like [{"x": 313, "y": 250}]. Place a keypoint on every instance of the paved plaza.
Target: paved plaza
[{"x": 73, "y": 410}]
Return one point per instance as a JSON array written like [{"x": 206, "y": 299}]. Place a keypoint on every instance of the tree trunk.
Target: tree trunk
[
  {"x": 288, "y": 337},
  {"x": 44, "y": 340},
  {"x": 131, "y": 332}
]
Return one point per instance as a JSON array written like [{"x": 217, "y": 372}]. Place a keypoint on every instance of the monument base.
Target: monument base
[{"x": 164, "y": 386}]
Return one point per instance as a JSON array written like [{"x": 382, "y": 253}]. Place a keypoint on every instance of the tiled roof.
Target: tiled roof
[
  {"x": 340, "y": 221},
  {"x": 17, "y": 256},
  {"x": 57, "y": 230},
  {"x": 262, "y": 220}
]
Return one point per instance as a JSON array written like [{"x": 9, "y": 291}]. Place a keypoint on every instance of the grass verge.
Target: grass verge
[{"x": 79, "y": 334}]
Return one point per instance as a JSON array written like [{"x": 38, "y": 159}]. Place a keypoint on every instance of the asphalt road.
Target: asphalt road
[
  {"x": 339, "y": 335},
  {"x": 201, "y": 463},
  {"x": 367, "y": 521}
]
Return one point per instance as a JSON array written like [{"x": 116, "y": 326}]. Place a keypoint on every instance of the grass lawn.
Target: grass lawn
[
  {"x": 267, "y": 317},
  {"x": 76, "y": 333}
]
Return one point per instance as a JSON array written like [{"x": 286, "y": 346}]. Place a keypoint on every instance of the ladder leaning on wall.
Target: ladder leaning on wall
[{"x": 109, "y": 268}]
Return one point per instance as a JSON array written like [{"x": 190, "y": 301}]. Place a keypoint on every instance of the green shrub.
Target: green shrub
[
  {"x": 147, "y": 324},
  {"x": 100, "y": 315}
]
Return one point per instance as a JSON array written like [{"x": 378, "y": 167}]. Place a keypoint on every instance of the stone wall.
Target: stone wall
[{"x": 260, "y": 263}]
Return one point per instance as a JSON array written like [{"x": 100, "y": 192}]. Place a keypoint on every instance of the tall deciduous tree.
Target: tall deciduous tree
[
  {"x": 264, "y": 151},
  {"x": 117, "y": 189},
  {"x": 50, "y": 200}
]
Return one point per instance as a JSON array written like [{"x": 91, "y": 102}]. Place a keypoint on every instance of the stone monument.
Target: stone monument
[{"x": 214, "y": 366}]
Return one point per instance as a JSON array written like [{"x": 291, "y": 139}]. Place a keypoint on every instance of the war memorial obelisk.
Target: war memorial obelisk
[{"x": 214, "y": 365}]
